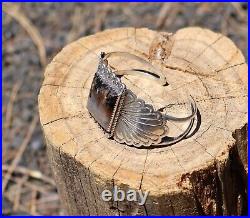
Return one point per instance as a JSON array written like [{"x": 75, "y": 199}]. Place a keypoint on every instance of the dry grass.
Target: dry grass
[{"x": 14, "y": 11}]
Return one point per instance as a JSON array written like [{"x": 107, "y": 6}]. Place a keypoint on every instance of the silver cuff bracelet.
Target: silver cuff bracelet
[{"x": 122, "y": 115}]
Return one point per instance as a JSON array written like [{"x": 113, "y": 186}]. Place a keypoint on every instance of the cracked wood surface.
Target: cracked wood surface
[{"x": 194, "y": 176}]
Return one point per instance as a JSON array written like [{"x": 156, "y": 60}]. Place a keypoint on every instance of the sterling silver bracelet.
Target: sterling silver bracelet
[{"x": 126, "y": 118}]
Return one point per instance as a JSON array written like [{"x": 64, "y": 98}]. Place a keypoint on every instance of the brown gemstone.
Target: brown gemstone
[{"x": 104, "y": 95}]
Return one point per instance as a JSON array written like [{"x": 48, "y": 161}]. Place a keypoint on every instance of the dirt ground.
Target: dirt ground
[{"x": 33, "y": 33}]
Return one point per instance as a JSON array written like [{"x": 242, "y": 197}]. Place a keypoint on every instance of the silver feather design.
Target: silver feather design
[
  {"x": 139, "y": 124},
  {"x": 135, "y": 122}
]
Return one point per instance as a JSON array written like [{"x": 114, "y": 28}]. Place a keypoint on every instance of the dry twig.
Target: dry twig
[
  {"x": 33, "y": 201},
  {"x": 16, "y": 202},
  {"x": 20, "y": 152},
  {"x": 9, "y": 108},
  {"x": 31, "y": 185},
  {"x": 13, "y": 10},
  {"x": 163, "y": 14},
  {"x": 21, "y": 207},
  {"x": 9, "y": 111},
  {"x": 31, "y": 173}
]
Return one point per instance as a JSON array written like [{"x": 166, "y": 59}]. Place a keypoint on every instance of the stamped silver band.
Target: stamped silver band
[{"x": 126, "y": 118}]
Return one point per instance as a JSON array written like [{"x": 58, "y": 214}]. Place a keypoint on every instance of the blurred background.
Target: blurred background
[{"x": 33, "y": 33}]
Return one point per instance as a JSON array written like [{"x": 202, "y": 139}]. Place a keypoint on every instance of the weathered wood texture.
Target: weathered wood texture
[{"x": 204, "y": 174}]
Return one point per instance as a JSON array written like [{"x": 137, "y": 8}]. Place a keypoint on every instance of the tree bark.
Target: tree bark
[{"x": 203, "y": 174}]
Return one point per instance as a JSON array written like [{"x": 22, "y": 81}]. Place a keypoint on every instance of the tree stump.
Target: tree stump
[{"x": 203, "y": 174}]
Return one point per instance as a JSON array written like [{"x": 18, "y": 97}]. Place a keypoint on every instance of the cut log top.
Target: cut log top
[{"x": 197, "y": 62}]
